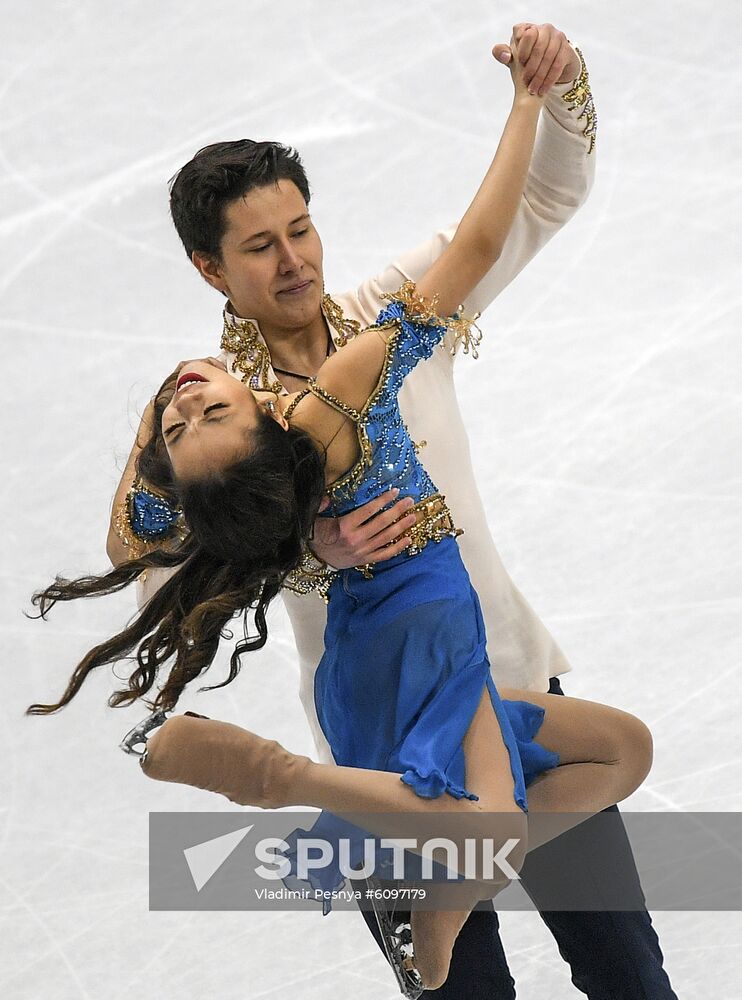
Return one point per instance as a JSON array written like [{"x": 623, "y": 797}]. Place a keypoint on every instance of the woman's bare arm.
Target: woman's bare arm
[
  {"x": 351, "y": 373},
  {"x": 478, "y": 242}
]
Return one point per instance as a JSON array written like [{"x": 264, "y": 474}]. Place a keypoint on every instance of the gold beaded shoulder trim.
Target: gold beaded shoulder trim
[
  {"x": 579, "y": 95},
  {"x": 353, "y": 477},
  {"x": 294, "y": 403},
  {"x": 333, "y": 401},
  {"x": 421, "y": 310}
]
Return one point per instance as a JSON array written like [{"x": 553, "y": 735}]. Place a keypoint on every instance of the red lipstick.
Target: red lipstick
[{"x": 189, "y": 377}]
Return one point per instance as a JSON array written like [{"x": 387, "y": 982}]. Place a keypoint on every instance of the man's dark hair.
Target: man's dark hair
[{"x": 219, "y": 174}]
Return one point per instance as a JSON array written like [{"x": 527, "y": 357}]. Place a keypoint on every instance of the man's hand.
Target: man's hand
[
  {"x": 545, "y": 54},
  {"x": 364, "y": 535}
]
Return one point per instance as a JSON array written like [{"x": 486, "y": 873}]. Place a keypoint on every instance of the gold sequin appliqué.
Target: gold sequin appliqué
[
  {"x": 311, "y": 576},
  {"x": 251, "y": 356},
  {"x": 580, "y": 95},
  {"x": 465, "y": 330},
  {"x": 346, "y": 329},
  {"x": 434, "y": 522}
]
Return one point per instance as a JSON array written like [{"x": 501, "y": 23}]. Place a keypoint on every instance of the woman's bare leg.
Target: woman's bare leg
[{"x": 604, "y": 754}]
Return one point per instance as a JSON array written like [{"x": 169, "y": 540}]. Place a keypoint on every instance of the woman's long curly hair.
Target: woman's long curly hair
[{"x": 247, "y": 527}]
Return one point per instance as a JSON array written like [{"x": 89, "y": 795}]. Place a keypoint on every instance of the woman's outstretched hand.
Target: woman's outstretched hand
[
  {"x": 518, "y": 74},
  {"x": 544, "y": 54}
]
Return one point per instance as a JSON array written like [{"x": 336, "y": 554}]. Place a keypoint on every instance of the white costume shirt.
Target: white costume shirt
[{"x": 522, "y": 652}]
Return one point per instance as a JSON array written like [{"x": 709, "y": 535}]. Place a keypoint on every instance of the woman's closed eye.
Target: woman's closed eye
[{"x": 173, "y": 427}]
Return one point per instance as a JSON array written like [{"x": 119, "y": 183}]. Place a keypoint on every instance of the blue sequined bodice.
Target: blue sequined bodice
[{"x": 388, "y": 456}]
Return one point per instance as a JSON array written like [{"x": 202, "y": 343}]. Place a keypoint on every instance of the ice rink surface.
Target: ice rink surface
[{"x": 604, "y": 414}]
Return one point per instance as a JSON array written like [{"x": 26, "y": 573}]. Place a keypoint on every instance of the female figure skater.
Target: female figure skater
[{"x": 404, "y": 688}]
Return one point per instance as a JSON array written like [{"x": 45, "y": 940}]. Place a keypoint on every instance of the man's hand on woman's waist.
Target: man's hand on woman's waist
[{"x": 366, "y": 535}]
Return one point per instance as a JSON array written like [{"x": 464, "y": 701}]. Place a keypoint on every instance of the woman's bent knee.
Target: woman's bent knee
[
  {"x": 633, "y": 749},
  {"x": 642, "y": 750}
]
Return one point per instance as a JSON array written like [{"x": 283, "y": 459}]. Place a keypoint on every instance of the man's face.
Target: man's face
[{"x": 271, "y": 265}]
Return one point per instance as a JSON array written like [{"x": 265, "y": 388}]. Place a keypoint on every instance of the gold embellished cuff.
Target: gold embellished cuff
[
  {"x": 420, "y": 310},
  {"x": 434, "y": 522},
  {"x": 312, "y": 575},
  {"x": 121, "y": 523},
  {"x": 580, "y": 96}
]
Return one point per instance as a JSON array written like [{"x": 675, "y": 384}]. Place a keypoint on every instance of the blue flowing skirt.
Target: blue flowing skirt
[{"x": 402, "y": 675}]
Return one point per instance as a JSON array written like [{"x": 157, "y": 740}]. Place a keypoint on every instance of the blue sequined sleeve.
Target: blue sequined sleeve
[
  {"x": 151, "y": 515},
  {"x": 420, "y": 330},
  {"x": 144, "y": 520},
  {"x": 417, "y": 337}
]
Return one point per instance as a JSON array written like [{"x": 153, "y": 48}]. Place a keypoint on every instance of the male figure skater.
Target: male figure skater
[{"x": 241, "y": 211}]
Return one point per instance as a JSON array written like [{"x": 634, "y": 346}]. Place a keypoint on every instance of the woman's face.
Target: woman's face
[{"x": 206, "y": 425}]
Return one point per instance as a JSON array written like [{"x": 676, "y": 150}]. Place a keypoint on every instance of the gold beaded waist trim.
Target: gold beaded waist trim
[{"x": 434, "y": 522}]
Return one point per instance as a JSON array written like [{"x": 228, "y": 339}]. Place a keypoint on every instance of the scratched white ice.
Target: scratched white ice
[{"x": 604, "y": 415}]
